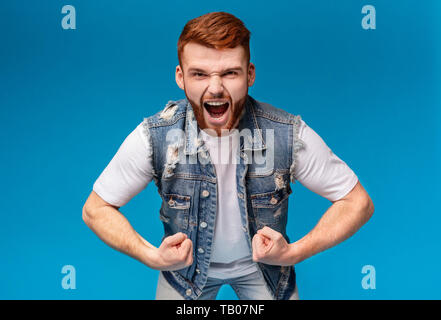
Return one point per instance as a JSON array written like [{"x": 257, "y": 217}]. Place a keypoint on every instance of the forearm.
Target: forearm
[
  {"x": 115, "y": 230},
  {"x": 342, "y": 219},
  {"x": 148, "y": 244}
]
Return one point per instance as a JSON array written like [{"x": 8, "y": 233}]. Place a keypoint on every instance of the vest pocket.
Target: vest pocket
[
  {"x": 270, "y": 208},
  {"x": 175, "y": 211},
  {"x": 174, "y": 214}
]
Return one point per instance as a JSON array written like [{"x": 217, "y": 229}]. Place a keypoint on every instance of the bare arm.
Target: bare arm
[
  {"x": 342, "y": 219},
  {"x": 115, "y": 230}
]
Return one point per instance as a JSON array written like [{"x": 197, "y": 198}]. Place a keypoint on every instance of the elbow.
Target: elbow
[
  {"x": 369, "y": 208},
  {"x": 86, "y": 215},
  {"x": 361, "y": 203},
  {"x": 92, "y": 209}
]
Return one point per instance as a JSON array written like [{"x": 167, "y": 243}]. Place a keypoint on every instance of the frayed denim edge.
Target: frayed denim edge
[
  {"x": 146, "y": 131},
  {"x": 297, "y": 146}
]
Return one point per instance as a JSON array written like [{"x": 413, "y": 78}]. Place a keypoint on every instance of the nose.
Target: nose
[{"x": 215, "y": 87}]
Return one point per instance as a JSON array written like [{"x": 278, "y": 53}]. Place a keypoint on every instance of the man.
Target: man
[{"x": 223, "y": 163}]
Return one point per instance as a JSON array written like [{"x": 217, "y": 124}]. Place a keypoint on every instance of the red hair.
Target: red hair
[{"x": 218, "y": 30}]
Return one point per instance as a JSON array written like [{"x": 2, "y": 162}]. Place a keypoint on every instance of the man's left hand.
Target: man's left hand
[{"x": 270, "y": 247}]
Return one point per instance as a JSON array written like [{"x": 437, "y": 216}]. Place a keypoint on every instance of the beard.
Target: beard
[{"x": 237, "y": 107}]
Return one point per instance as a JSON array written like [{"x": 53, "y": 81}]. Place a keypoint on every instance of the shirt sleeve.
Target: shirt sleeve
[
  {"x": 319, "y": 169},
  {"x": 129, "y": 171}
]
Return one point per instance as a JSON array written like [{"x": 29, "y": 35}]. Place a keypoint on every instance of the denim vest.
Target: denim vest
[{"x": 187, "y": 183}]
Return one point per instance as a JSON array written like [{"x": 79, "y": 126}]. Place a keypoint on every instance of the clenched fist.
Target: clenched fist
[
  {"x": 270, "y": 247},
  {"x": 174, "y": 253}
]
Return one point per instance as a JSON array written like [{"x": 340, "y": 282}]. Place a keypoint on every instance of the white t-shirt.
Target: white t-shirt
[
  {"x": 317, "y": 168},
  {"x": 228, "y": 232}
]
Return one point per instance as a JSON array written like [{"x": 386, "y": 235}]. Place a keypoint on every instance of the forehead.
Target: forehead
[{"x": 195, "y": 55}]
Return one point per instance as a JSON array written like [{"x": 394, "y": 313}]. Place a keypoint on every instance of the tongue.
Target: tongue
[{"x": 218, "y": 109}]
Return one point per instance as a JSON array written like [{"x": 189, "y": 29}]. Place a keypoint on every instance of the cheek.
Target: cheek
[
  {"x": 194, "y": 89},
  {"x": 237, "y": 90}
]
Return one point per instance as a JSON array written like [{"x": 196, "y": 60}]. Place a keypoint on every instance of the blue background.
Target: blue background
[{"x": 70, "y": 97}]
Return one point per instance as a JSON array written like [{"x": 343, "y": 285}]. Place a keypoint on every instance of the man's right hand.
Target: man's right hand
[{"x": 174, "y": 253}]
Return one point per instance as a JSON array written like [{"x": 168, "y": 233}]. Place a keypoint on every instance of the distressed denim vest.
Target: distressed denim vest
[{"x": 187, "y": 183}]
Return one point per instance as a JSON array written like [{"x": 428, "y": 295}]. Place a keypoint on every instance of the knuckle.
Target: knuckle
[{"x": 186, "y": 255}]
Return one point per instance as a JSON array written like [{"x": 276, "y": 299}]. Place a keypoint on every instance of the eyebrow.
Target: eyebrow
[{"x": 223, "y": 71}]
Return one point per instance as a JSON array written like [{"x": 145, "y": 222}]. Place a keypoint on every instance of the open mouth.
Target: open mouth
[{"x": 216, "y": 109}]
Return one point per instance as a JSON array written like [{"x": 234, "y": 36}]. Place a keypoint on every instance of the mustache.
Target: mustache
[{"x": 225, "y": 95}]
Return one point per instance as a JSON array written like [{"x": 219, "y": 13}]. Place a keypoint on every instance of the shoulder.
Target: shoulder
[
  {"x": 168, "y": 115},
  {"x": 268, "y": 111}
]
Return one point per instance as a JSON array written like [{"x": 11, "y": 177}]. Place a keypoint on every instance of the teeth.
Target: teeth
[{"x": 215, "y": 103}]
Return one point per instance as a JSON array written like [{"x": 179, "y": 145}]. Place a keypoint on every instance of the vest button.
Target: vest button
[
  {"x": 200, "y": 250},
  {"x": 273, "y": 200},
  {"x": 171, "y": 202},
  {"x": 205, "y": 193},
  {"x": 203, "y": 224},
  {"x": 188, "y": 292},
  {"x": 241, "y": 195},
  {"x": 198, "y": 271}
]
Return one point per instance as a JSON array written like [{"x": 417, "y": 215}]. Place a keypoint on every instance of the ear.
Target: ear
[
  {"x": 251, "y": 74},
  {"x": 179, "y": 76}
]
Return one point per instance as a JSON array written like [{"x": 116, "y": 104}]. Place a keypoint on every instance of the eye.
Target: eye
[
  {"x": 230, "y": 73},
  {"x": 198, "y": 75}
]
